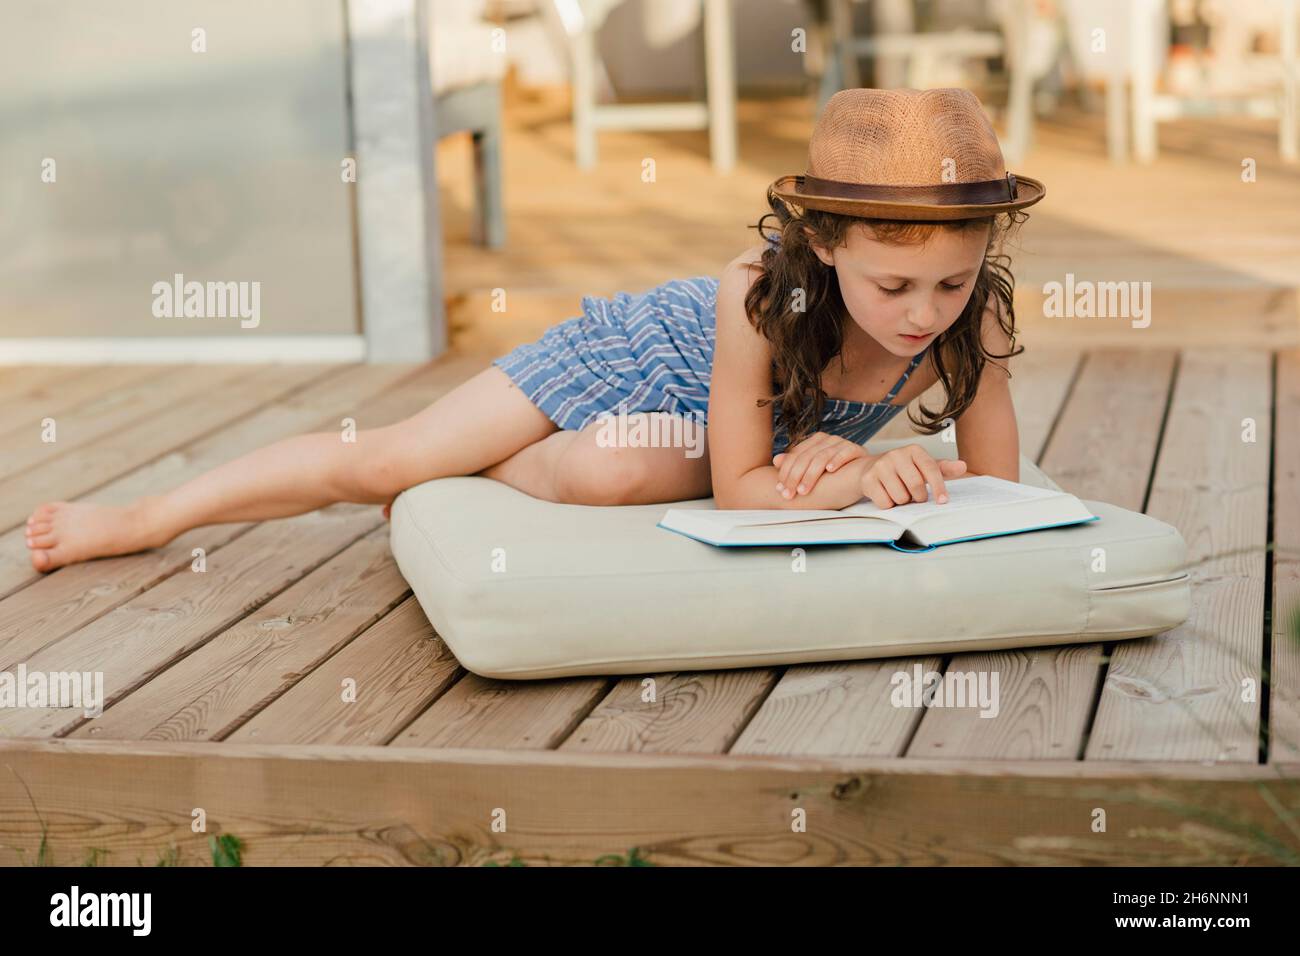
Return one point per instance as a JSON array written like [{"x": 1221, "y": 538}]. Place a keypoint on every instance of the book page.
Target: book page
[
  {"x": 977, "y": 491},
  {"x": 739, "y": 518}
]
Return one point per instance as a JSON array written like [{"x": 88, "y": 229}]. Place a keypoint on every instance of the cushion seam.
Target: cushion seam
[{"x": 438, "y": 553}]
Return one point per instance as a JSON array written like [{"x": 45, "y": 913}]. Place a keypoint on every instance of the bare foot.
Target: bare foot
[{"x": 64, "y": 532}]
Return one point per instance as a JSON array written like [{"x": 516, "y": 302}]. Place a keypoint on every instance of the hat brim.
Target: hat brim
[{"x": 1028, "y": 192}]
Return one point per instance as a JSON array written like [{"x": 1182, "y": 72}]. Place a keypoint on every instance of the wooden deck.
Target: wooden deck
[{"x": 225, "y": 686}]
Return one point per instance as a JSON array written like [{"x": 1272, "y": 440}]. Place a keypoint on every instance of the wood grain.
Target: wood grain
[
  {"x": 1103, "y": 447},
  {"x": 1183, "y": 694},
  {"x": 404, "y": 806},
  {"x": 1284, "y": 672}
]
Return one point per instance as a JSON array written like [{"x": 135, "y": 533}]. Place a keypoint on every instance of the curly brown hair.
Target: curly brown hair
[{"x": 805, "y": 341}]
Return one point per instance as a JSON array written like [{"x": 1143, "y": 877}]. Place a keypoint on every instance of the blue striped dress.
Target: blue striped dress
[{"x": 653, "y": 352}]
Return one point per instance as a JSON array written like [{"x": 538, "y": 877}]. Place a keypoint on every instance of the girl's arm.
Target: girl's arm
[
  {"x": 987, "y": 436},
  {"x": 740, "y": 432}
]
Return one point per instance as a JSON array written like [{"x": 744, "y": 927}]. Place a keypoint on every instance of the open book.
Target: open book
[{"x": 978, "y": 506}]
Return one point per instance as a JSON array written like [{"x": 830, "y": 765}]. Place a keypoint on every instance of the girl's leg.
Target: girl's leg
[
  {"x": 574, "y": 467},
  {"x": 476, "y": 424}
]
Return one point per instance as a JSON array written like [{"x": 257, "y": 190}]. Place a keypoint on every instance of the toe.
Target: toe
[
  {"x": 41, "y": 560},
  {"x": 39, "y": 527},
  {"x": 46, "y": 540}
]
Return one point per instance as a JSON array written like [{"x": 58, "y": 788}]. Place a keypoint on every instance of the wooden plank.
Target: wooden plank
[
  {"x": 1102, "y": 448},
  {"x": 397, "y": 667},
  {"x": 393, "y": 805},
  {"x": 504, "y": 715},
  {"x": 846, "y": 708},
  {"x": 1262, "y": 316},
  {"x": 52, "y": 397},
  {"x": 700, "y": 712},
  {"x": 835, "y": 710},
  {"x": 59, "y": 603},
  {"x": 109, "y": 413},
  {"x": 20, "y": 382},
  {"x": 42, "y": 608},
  {"x": 1179, "y": 695},
  {"x": 1284, "y": 684},
  {"x": 1040, "y": 384},
  {"x": 111, "y": 455},
  {"x": 317, "y": 406},
  {"x": 231, "y": 677},
  {"x": 138, "y": 639}
]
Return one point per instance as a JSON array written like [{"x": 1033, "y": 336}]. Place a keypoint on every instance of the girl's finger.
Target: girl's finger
[
  {"x": 795, "y": 464},
  {"x": 932, "y": 473},
  {"x": 912, "y": 478},
  {"x": 897, "y": 491},
  {"x": 783, "y": 481},
  {"x": 814, "y": 471},
  {"x": 873, "y": 489},
  {"x": 787, "y": 461},
  {"x": 845, "y": 454}
]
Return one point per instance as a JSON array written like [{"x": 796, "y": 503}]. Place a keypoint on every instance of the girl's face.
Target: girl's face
[{"x": 893, "y": 290}]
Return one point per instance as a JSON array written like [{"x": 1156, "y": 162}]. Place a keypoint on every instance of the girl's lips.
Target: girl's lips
[{"x": 915, "y": 338}]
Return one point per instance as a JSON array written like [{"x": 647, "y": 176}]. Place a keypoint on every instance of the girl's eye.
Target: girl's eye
[{"x": 943, "y": 285}]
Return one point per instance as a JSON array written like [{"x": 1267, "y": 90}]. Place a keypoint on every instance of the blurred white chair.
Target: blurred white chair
[
  {"x": 1136, "y": 50},
  {"x": 1103, "y": 38},
  {"x": 908, "y": 57},
  {"x": 580, "y": 19},
  {"x": 467, "y": 60}
]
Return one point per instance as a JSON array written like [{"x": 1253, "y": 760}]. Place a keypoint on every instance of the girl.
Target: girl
[{"x": 885, "y": 269}]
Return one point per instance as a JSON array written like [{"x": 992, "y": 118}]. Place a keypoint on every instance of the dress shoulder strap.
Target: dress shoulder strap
[{"x": 898, "y": 386}]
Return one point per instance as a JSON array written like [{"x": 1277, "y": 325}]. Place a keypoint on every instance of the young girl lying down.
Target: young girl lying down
[{"x": 881, "y": 276}]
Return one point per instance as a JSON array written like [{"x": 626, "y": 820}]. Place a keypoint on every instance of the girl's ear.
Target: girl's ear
[{"x": 821, "y": 253}]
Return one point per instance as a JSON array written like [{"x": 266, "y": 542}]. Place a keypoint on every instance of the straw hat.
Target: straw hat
[{"x": 907, "y": 154}]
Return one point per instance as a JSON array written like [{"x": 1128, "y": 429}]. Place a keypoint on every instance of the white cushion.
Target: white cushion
[{"x": 601, "y": 590}]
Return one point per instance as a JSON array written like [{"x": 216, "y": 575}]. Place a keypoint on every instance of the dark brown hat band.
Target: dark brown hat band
[{"x": 990, "y": 191}]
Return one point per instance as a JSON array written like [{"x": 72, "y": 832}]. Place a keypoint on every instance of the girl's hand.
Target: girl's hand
[
  {"x": 802, "y": 465},
  {"x": 899, "y": 476}
]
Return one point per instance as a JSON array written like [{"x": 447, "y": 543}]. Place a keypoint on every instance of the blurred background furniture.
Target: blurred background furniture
[
  {"x": 467, "y": 62},
  {"x": 580, "y": 19},
  {"x": 907, "y": 54},
  {"x": 1162, "y": 60},
  {"x": 1268, "y": 92}
]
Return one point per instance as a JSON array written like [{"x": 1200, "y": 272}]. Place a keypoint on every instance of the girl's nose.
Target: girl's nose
[{"x": 917, "y": 316}]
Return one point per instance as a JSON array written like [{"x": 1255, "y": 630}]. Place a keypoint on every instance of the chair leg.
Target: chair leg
[
  {"x": 1020, "y": 99},
  {"x": 1288, "y": 136},
  {"x": 1143, "y": 72},
  {"x": 720, "y": 62},
  {"x": 841, "y": 12},
  {"x": 490, "y": 222},
  {"x": 584, "y": 99},
  {"x": 1116, "y": 118}
]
